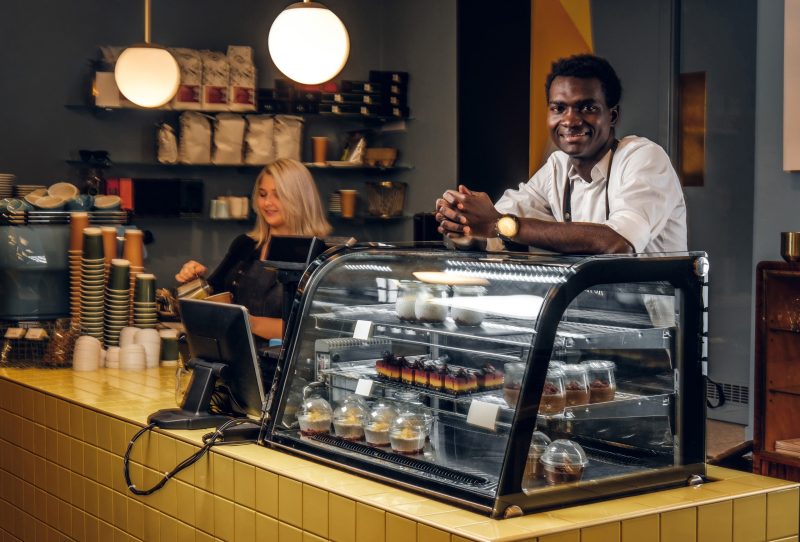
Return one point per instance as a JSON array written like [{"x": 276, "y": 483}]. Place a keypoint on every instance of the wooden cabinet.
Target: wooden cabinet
[{"x": 777, "y": 368}]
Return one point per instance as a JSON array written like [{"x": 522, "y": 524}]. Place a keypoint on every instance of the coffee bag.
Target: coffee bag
[
  {"x": 258, "y": 140},
  {"x": 288, "y": 134},
  {"x": 191, "y": 67},
  {"x": 242, "y": 78},
  {"x": 228, "y": 139},
  {"x": 195, "y": 142},
  {"x": 215, "y": 81}
]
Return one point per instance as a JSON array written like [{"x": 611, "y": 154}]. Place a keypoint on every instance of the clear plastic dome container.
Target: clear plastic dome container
[
  {"x": 315, "y": 416},
  {"x": 407, "y": 291},
  {"x": 463, "y": 316},
  {"x": 564, "y": 462},
  {"x": 512, "y": 382},
  {"x": 576, "y": 385},
  {"x": 426, "y": 308},
  {"x": 602, "y": 384},
  {"x": 379, "y": 420},
  {"x": 410, "y": 403},
  {"x": 534, "y": 469},
  {"x": 407, "y": 434},
  {"x": 348, "y": 420},
  {"x": 554, "y": 398}
]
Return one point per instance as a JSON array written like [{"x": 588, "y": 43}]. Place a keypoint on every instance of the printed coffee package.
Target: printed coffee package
[
  {"x": 242, "y": 78},
  {"x": 195, "y": 141},
  {"x": 215, "y": 81},
  {"x": 191, "y": 66},
  {"x": 258, "y": 140},
  {"x": 167, "y": 144},
  {"x": 288, "y": 135},
  {"x": 228, "y": 139}
]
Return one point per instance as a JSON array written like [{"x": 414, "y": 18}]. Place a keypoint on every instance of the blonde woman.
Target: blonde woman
[{"x": 286, "y": 202}]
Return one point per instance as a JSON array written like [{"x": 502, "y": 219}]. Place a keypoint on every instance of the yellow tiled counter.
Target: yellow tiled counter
[{"x": 63, "y": 435}]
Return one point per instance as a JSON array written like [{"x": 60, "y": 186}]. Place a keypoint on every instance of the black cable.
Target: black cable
[{"x": 212, "y": 440}]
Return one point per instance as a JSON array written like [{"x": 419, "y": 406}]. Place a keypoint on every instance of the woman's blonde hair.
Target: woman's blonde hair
[{"x": 302, "y": 208}]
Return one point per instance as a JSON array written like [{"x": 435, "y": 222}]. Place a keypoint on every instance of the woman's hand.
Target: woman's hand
[{"x": 190, "y": 271}]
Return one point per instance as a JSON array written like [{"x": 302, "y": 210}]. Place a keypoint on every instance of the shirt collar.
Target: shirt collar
[{"x": 598, "y": 171}]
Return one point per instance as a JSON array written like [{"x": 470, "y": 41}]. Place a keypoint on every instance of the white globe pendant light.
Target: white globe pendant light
[
  {"x": 309, "y": 43},
  {"x": 146, "y": 74}
]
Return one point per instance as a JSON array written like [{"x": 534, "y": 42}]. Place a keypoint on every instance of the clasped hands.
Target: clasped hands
[{"x": 463, "y": 212}]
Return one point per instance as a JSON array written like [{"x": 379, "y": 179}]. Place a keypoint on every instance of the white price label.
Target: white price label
[
  {"x": 483, "y": 414},
  {"x": 364, "y": 387},
  {"x": 363, "y": 330}
]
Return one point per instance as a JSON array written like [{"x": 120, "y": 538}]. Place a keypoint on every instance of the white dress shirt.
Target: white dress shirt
[{"x": 645, "y": 198}]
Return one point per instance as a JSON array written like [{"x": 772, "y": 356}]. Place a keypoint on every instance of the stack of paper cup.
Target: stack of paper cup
[
  {"x": 169, "y": 347},
  {"x": 92, "y": 281},
  {"x": 128, "y": 335},
  {"x": 112, "y": 357},
  {"x": 133, "y": 251},
  {"x": 132, "y": 358},
  {"x": 109, "y": 244},
  {"x": 77, "y": 222},
  {"x": 144, "y": 301},
  {"x": 150, "y": 340},
  {"x": 86, "y": 355},
  {"x": 117, "y": 307}
]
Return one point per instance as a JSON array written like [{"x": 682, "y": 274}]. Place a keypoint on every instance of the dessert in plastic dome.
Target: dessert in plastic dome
[
  {"x": 564, "y": 462},
  {"x": 315, "y": 416},
  {"x": 376, "y": 428},
  {"x": 534, "y": 470},
  {"x": 407, "y": 434},
  {"x": 348, "y": 419},
  {"x": 602, "y": 385}
]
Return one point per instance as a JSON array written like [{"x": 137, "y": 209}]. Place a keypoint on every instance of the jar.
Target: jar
[
  {"x": 315, "y": 416},
  {"x": 553, "y": 398},
  {"x": 463, "y": 316},
  {"x": 512, "y": 383},
  {"x": 576, "y": 384},
  {"x": 602, "y": 385},
  {"x": 564, "y": 461},
  {"x": 379, "y": 420},
  {"x": 348, "y": 420},
  {"x": 407, "y": 434},
  {"x": 534, "y": 469},
  {"x": 429, "y": 307},
  {"x": 407, "y": 291}
]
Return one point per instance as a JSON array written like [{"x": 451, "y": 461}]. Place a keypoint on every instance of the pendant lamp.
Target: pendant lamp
[
  {"x": 309, "y": 43},
  {"x": 147, "y": 74}
]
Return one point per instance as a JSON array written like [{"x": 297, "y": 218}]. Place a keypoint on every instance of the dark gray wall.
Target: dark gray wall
[
  {"x": 47, "y": 44},
  {"x": 777, "y": 193},
  {"x": 720, "y": 214}
]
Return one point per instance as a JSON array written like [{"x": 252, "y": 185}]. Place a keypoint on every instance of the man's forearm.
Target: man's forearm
[{"x": 571, "y": 237}]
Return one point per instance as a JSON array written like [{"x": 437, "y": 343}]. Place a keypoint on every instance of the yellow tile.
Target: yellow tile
[
  {"x": 62, "y": 450},
  {"x": 183, "y": 451},
  {"x": 715, "y": 522},
  {"x": 290, "y": 504},
  {"x": 104, "y": 432},
  {"x": 449, "y": 520},
  {"x": 782, "y": 513},
  {"x": 186, "y": 504},
  {"x": 266, "y": 527},
  {"x": 63, "y": 417},
  {"x": 106, "y": 533},
  {"x": 204, "y": 474},
  {"x": 119, "y": 440},
  {"x": 267, "y": 493},
  {"x": 117, "y": 476},
  {"x": 76, "y": 421},
  {"x": 223, "y": 476},
  {"x": 27, "y": 436},
  {"x": 679, "y": 525},
  {"x": 400, "y": 529},
  {"x": 64, "y": 490},
  {"x": 571, "y": 536},
  {"x": 120, "y": 510},
  {"x": 106, "y": 509},
  {"x": 90, "y": 462},
  {"x": 610, "y": 532},
  {"x": 91, "y": 497},
  {"x": 76, "y": 455},
  {"x": 204, "y": 510},
  {"x": 308, "y": 537},
  {"x": 90, "y": 426},
  {"x": 168, "y": 528},
  {"x": 78, "y": 524},
  {"x": 167, "y": 454},
  {"x": 750, "y": 518},
  {"x": 76, "y": 490},
  {"x": 245, "y": 524},
  {"x": 39, "y": 439},
  {"x": 223, "y": 518},
  {"x": 51, "y": 445},
  {"x": 151, "y": 524},
  {"x": 287, "y": 533},
  {"x": 789, "y": 539},
  {"x": 424, "y": 508},
  {"x": 370, "y": 524},
  {"x": 105, "y": 474},
  {"x": 244, "y": 484},
  {"x": 315, "y": 510},
  {"x": 64, "y": 517},
  {"x": 200, "y": 536},
  {"x": 185, "y": 533},
  {"x": 431, "y": 534},
  {"x": 135, "y": 519},
  {"x": 341, "y": 518},
  {"x": 39, "y": 413},
  {"x": 91, "y": 527},
  {"x": 51, "y": 412}
]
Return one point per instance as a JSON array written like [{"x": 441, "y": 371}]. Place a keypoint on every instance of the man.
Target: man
[{"x": 594, "y": 195}]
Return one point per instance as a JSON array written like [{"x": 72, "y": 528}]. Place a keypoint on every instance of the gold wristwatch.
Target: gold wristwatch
[{"x": 507, "y": 226}]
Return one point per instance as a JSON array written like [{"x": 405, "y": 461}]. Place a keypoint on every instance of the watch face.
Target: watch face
[{"x": 507, "y": 226}]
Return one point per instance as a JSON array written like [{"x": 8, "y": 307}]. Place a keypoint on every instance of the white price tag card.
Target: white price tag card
[
  {"x": 483, "y": 414},
  {"x": 364, "y": 387},
  {"x": 363, "y": 330}
]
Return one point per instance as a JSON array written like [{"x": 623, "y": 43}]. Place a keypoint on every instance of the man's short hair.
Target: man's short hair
[{"x": 588, "y": 67}]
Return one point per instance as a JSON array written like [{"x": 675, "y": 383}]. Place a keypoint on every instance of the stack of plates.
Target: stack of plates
[
  {"x": 25, "y": 189},
  {"x": 7, "y": 185}
]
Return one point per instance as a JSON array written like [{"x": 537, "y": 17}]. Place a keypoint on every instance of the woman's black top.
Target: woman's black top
[{"x": 243, "y": 274}]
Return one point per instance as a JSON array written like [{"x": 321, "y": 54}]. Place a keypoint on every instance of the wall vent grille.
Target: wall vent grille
[{"x": 734, "y": 393}]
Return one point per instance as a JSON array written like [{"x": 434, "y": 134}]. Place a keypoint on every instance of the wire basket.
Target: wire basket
[
  {"x": 50, "y": 347},
  {"x": 386, "y": 198}
]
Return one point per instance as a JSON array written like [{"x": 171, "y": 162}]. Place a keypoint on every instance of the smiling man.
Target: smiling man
[{"x": 594, "y": 195}]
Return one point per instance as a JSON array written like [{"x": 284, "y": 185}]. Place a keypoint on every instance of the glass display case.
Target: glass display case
[{"x": 504, "y": 382}]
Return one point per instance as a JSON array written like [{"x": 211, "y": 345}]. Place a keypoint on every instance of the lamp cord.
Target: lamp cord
[{"x": 210, "y": 440}]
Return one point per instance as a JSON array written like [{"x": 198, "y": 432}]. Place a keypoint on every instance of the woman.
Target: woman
[{"x": 286, "y": 202}]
